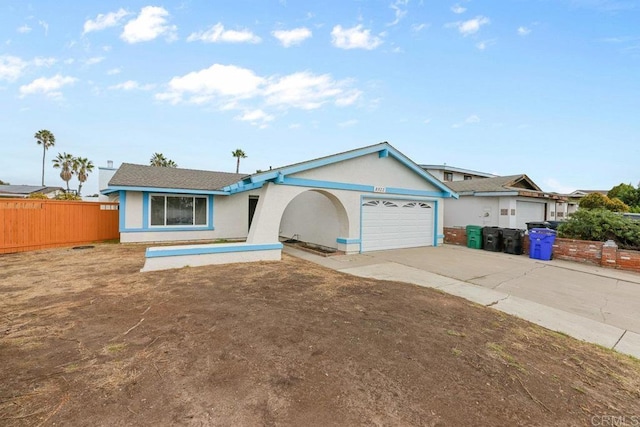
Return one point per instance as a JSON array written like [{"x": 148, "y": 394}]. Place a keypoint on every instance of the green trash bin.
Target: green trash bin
[{"x": 474, "y": 236}]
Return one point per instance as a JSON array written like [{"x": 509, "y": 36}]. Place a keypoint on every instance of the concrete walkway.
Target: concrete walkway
[{"x": 591, "y": 303}]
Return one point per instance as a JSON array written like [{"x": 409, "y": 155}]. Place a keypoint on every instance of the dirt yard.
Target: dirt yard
[{"x": 87, "y": 340}]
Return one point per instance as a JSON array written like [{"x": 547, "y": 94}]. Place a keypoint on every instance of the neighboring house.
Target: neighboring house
[
  {"x": 366, "y": 199},
  {"x": 505, "y": 201},
  {"x": 450, "y": 174},
  {"x": 23, "y": 191}
]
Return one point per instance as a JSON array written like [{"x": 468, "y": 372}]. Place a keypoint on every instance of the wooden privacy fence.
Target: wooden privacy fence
[{"x": 31, "y": 224}]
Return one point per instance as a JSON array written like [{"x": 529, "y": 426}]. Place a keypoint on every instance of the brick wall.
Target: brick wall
[
  {"x": 597, "y": 253},
  {"x": 455, "y": 236}
]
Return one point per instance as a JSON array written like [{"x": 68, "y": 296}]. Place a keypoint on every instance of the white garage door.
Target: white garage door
[
  {"x": 394, "y": 224},
  {"x": 528, "y": 212}
]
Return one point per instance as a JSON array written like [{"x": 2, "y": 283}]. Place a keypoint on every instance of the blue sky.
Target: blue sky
[{"x": 550, "y": 88}]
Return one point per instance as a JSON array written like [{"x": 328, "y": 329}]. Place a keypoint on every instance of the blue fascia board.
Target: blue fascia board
[
  {"x": 270, "y": 175},
  {"x": 167, "y": 190},
  {"x": 165, "y": 229},
  {"x": 347, "y": 241},
  {"x": 213, "y": 249},
  {"x": 122, "y": 199},
  {"x": 301, "y": 182},
  {"x": 242, "y": 188}
]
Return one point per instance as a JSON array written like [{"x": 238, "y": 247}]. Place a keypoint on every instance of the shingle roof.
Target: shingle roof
[
  {"x": 497, "y": 184},
  {"x": 132, "y": 175},
  {"x": 27, "y": 189}
]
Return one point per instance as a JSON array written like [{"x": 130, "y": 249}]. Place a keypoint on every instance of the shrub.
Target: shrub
[
  {"x": 601, "y": 225},
  {"x": 37, "y": 196},
  {"x": 68, "y": 196}
]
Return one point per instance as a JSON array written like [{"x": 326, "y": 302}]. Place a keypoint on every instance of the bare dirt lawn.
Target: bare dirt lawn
[{"x": 85, "y": 339}]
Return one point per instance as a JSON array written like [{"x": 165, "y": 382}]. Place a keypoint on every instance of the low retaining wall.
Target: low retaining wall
[
  {"x": 597, "y": 253},
  {"x": 167, "y": 257}
]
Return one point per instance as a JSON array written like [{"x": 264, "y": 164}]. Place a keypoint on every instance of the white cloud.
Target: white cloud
[
  {"x": 104, "y": 21},
  {"x": 217, "y": 80},
  {"x": 399, "y": 13},
  {"x": 131, "y": 85},
  {"x": 255, "y": 117},
  {"x": 354, "y": 38},
  {"x": 471, "y": 26},
  {"x": 11, "y": 67},
  {"x": 45, "y": 26},
  {"x": 523, "y": 31},
  {"x": 426, "y": 121},
  {"x": 348, "y": 123},
  {"x": 482, "y": 45},
  {"x": 472, "y": 119},
  {"x": 292, "y": 37},
  {"x": 48, "y": 86},
  {"x": 217, "y": 34},
  {"x": 94, "y": 60},
  {"x": 416, "y": 28},
  {"x": 457, "y": 9},
  {"x": 24, "y": 29},
  {"x": 308, "y": 91},
  {"x": 228, "y": 87},
  {"x": 44, "y": 62},
  {"x": 150, "y": 24},
  {"x": 114, "y": 71}
]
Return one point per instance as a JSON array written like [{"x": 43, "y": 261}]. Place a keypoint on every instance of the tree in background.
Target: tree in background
[
  {"x": 4, "y": 183},
  {"x": 82, "y": 167},
  {"x": 600, "y": 201},
  {"x": 158, "y": 159},
  {"x": 47, "y": 140},
  {"x": 238, "y": 154},
  {"x": 627, "y": 193},
  {"x": 65, "y": 162}
]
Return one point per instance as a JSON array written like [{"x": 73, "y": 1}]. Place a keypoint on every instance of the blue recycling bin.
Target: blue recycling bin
[{"x": 541, "y": 243}]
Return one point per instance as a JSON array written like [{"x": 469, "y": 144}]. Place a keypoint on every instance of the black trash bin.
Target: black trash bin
[
  {"x": 512, "y": 240},
  {"x": 492, "y": 239},
  {"x": 537, "y": 224}
]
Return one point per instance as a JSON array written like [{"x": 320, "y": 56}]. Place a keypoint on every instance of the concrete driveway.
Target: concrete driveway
[{"x": 587, "y": 302}]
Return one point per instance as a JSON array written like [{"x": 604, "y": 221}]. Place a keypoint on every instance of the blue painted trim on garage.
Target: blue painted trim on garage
[
  {"x": 347, "y": 241},
  {"x": 211, "y": 250},
  {"x": 122, "y": 199}
]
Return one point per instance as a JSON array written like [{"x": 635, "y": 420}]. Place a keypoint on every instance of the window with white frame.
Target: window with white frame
[{"x": 166, "y": 210}]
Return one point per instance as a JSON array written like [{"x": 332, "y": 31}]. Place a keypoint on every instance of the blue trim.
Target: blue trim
[
  {"x": 383, "y": 153},
  {"x": 312, "y": 183},
  {"x": 210, "y": 212},
  {"x": 122, "y": 199},
  {"x": 163, "y": 229},
  {"x": 435, "y": 224},
  {"x": 242, "y": 186},
  {"x": 378, "y": 148},
  {"x": 213, "y": 249},
  {"x": 167, "y": 190},
  {"x": 347, "y": 241},
  {"x": 145, "y": 210}
]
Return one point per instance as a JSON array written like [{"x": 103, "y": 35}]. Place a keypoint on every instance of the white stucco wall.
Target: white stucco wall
[
  {"x": 370, "y": 170},
  {"x": 133, "y": 210},
  {"x": 471, "y": 210},
  {"x": 312, "y": 218},
  {"x": 231, "y": 215}
]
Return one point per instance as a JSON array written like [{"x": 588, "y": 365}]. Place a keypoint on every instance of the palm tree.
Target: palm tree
[
  {"x": 158, "y": 159},
  {"x": 65, "y": 163},
  {"x": 47, "y": 140},
  {"x": 82, "y": 168},
  {"x": 239, "y": 154}
]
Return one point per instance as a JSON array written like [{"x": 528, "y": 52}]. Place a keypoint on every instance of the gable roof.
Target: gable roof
[
  {"x": 27, "y": 189},
  {"x": 156, "y": 177},
  {"x": 384, "y": 149},
  {"x": 447, "y": 168},
  {"x": 498, "y": 184}
]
